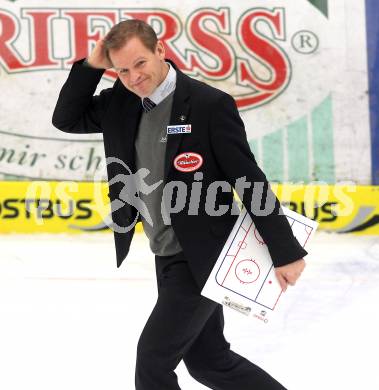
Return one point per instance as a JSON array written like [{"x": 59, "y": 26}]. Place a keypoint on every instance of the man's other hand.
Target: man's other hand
[{"x": 288, "y": 274}]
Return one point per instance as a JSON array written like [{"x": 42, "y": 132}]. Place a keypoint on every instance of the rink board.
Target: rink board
[{"x": 81, "y": 206}]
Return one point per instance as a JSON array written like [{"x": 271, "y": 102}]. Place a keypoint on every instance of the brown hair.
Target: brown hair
[{"x": 122, "y": 32}]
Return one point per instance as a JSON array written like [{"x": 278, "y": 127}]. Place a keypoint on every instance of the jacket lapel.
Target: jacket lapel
[
  {"x": 179, "y": 116},
  {"x": 128, "y": 118}
]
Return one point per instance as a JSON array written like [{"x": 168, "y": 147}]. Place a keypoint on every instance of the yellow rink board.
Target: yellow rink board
[{"x": 74, "y": 207}]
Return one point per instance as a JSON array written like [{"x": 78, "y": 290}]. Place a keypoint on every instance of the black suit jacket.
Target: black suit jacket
[{"x": 218, "y": 135}]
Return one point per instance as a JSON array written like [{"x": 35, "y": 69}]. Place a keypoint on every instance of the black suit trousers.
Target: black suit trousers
[{"x": 185, "y": 325}]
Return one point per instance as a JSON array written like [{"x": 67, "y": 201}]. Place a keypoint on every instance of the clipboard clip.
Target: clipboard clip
[{"x": 246, "y": 310}]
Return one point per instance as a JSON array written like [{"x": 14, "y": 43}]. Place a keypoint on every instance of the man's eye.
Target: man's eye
[
  {"x": 141, "y": 63},
  {"x": 123, "y": 71}
]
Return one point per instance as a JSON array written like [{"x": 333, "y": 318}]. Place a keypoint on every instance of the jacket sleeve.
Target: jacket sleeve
[
  {"x": 235, "y": 159},
  {"x": 77, "y": 110}
]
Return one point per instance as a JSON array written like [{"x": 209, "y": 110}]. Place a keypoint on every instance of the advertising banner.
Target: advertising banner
[
  {"x": 297, "y": 70},
  {"x": 72, "y": 207}
]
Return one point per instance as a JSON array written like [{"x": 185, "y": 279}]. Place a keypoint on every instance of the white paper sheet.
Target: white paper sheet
[{"x": 243, "y": 277}]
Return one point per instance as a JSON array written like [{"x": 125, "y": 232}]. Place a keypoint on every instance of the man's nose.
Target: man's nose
[{"x": 135, "y": 76}]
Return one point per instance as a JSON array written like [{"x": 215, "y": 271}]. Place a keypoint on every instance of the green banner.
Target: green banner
[{"x": 322, "y": 5}]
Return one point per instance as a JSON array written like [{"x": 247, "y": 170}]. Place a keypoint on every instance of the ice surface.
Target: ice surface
[{"x": 69, "y": 319}]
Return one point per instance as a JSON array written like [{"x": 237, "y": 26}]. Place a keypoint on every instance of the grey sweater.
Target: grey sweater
[{"x": 150, "y": 148}]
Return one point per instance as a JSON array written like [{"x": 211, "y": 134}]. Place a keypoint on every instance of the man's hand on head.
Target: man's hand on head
[
  {"x": 98, "y": 58},
  {"x": 290, "y": 273}
]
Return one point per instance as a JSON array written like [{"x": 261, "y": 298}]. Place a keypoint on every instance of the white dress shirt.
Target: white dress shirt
[{"x": 165, "y": 87}]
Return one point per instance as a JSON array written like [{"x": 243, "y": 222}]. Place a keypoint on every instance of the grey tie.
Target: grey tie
[{"x": 147, "y": 104}]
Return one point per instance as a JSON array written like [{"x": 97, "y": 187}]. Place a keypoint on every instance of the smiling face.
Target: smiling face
[{"x": 139, "y": 69}]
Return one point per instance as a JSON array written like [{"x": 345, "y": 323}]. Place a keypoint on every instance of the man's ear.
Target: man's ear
[{"x": 160, "y": 50}]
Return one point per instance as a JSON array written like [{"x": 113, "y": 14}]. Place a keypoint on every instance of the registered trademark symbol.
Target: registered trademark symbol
[{"x": 305, "y": 42}]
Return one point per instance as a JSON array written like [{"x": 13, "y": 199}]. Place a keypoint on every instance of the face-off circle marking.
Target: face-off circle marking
[{"x": 247, "y": 271}]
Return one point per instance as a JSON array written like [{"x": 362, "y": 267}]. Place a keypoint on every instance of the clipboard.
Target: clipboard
[{"x": 243, "y": 277}]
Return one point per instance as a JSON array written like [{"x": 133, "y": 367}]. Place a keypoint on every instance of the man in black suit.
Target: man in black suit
[{"x": 191, "y": 139}]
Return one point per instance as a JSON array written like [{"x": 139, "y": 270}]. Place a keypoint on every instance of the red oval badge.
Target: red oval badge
[{"x": 188, "y": 162}]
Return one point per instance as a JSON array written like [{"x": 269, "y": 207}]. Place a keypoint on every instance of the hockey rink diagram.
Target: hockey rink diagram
[{"x": 246, "y": 268}]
